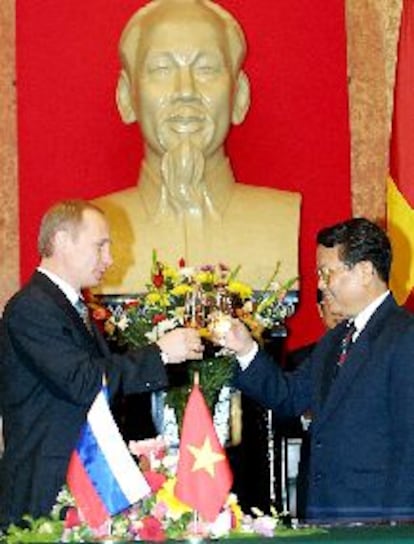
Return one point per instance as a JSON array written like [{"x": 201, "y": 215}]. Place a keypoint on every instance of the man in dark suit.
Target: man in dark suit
[
  {"x": 52, "y": 364},
  {"x": 361, "y": 398},
  {"x": 330, "y": 316}
]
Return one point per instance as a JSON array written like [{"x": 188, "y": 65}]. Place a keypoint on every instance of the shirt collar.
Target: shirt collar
[
  {"x": 363, "y": 317},
  {"x": 63, "y": 285}
]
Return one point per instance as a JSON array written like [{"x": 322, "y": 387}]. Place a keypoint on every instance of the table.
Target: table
[{"x": 365, "y": 534}]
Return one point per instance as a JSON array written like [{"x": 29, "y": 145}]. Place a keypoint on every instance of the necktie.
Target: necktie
[
  {"x": 83, "y": 312},
  {"x": 346, "y": 343}
]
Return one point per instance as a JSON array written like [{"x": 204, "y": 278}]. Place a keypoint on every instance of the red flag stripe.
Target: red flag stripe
[{"x": 88, "y": 500}]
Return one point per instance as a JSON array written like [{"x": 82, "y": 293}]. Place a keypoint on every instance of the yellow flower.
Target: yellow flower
[
  {"x": 174, "y": 505},
  {"x": 155, "y": 298},
  {"x": 235, "y": 509},
  {"x": 204, "y": 332},
  {"x": 205, "y": 277},
  {"x": 181, "y": 290},
  {"x": 169, "y": 272},
  {"x": 242, "y": 289}
]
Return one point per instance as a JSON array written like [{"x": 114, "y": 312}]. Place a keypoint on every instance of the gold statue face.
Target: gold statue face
[{"x": 183, "y": 85}]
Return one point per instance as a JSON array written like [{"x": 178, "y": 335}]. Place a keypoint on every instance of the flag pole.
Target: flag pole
[{"x": 196, "y": 536}]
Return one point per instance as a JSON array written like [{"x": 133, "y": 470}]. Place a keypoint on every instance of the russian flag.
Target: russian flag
[{"x": 102, "y": 475}]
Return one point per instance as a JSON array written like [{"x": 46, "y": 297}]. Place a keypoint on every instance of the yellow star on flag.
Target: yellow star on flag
[{"x": 205, "y": 457}]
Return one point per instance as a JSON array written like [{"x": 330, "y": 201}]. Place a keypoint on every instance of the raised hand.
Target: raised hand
[
  {"x": 235, "y": 337},
  {"x": 181, "y": 344}
]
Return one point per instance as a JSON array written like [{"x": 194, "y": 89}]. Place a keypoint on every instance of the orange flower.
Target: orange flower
[{"x": 100, "y": 313}]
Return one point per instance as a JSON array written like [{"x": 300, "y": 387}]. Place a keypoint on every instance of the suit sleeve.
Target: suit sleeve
[
  {"x": 287, "y": 393},
  {"x": 46, "y": 345}
]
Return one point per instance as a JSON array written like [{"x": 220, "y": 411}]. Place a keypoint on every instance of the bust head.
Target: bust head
[{"x": 181, "y": 80}]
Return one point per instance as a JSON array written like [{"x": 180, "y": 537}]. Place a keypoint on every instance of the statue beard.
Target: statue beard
[{"x": 183, "y": 167}]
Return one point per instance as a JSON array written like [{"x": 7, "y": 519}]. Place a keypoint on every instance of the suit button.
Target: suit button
[
  {"x": 318, "y": 444},
  {"x": 318, "y": 477}
]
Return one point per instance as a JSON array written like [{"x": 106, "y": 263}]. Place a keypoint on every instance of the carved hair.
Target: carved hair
[{"x": 129, "y": 41}]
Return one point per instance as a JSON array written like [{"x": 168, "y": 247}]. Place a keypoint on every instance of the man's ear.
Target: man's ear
[
  {"x": 60, "y": 240},
  {"x": 123, "y": 99},
  {"x": 241, "y": 99},
  {"x": 367, "y": 271}
]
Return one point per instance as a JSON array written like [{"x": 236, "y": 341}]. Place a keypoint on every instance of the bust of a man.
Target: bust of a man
[{"x": 182, "y": 81}]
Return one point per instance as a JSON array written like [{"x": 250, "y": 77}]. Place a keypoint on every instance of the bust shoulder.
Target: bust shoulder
[
  {"x": 259, "y": 195},
  {"x": 264, "y": 205}
]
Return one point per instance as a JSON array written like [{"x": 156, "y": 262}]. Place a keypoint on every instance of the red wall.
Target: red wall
[{"x": 73, "y": 144}]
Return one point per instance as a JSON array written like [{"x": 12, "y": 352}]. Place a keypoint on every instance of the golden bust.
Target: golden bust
[{"x": 182, "y": 82}]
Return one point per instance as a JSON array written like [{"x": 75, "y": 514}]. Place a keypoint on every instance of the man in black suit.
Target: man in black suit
[
  {"x": 52, "y": 364},
  {"x": 362, "y": 397}
]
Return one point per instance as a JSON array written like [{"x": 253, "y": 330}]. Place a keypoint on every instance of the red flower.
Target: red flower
[
  {"x": 155, "y": 479},
  {"x": 181, "y": 262},
  {"x": 158, "y": 318},
  {"x": 157, "y": 275},
  {"x": 152, "y": 530},
  {"x": 158, "y": 280},
  {"x": 72, "y": 518}
]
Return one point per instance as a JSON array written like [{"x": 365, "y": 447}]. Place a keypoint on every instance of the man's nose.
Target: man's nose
[{"x": 322, "y": 283}]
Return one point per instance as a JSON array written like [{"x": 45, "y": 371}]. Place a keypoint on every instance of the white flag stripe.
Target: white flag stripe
[{"x": 113, "y": 447}]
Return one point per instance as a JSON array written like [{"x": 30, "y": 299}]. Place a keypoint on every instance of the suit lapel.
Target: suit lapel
[
  {"x": 326, "y": 369},
  {"x": 356, "y": 360},
  {"x": 358, "y": 357},
  {"x": 59, "y": 298}
]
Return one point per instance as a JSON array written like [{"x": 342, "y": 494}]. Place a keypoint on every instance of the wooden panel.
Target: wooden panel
[
  {"x": 9, "y": 236},
  {"x": 372, "y": 31}
]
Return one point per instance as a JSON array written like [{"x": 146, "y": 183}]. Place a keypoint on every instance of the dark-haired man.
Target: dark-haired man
[{"x": 358, "y": 383}]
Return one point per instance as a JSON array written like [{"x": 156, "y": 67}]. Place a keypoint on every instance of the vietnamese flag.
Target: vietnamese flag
[
  {"x": 400, "y": 190},
  {"x": 204, "y": 477}
]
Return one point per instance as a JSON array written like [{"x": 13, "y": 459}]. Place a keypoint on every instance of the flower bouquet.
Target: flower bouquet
[{"x": 196, "y": 297}]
